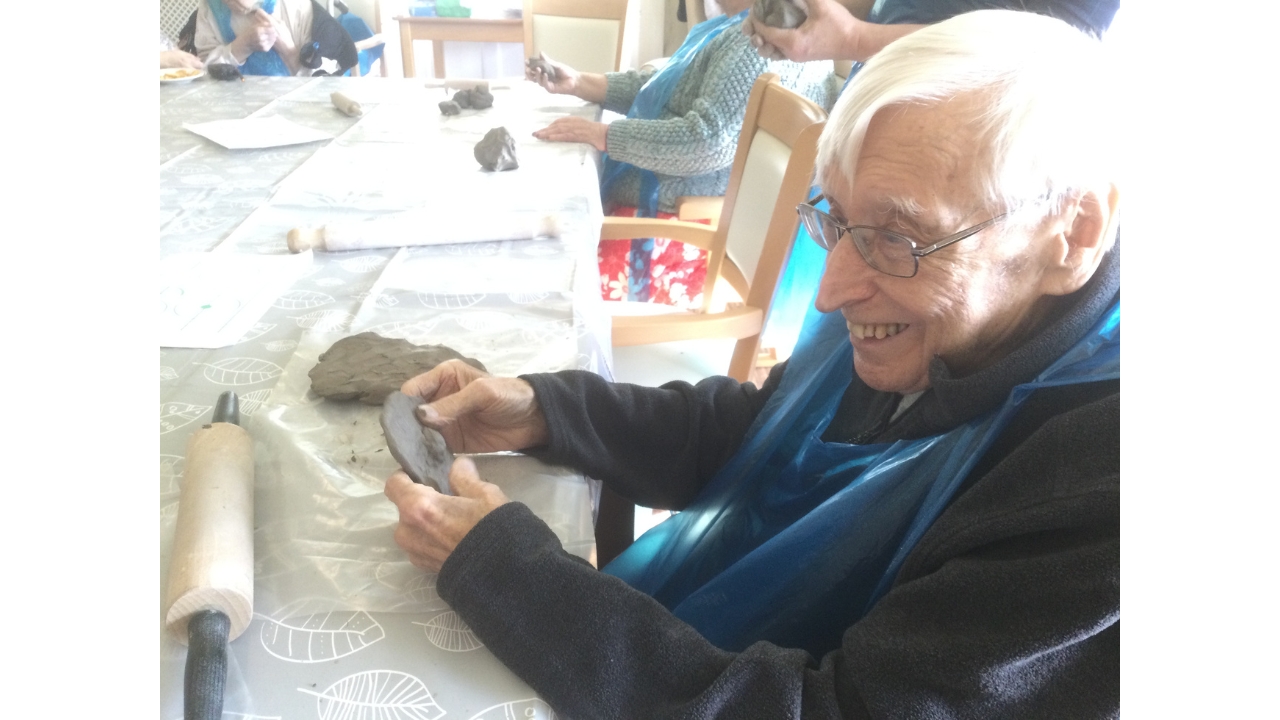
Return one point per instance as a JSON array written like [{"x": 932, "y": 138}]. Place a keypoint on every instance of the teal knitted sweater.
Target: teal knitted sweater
[{"x": 691, "y": 146}]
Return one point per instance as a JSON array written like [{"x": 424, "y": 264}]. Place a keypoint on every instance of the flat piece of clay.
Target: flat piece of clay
[
  {"x": 540, "y": 63},
  {"x": 369, "y": 367},
  {"x": 497, "y": 151},
  {"x": 783, "y": 14},
  {"x": 420, "y": 450}
]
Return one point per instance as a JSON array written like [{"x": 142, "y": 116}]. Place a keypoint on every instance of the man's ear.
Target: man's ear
[{"x": 1079, "y": 239}]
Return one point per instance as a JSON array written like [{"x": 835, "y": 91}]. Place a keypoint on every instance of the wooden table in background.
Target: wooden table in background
[{"x": 443, "y": 29}]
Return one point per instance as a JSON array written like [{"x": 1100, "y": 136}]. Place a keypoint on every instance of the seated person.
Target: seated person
[
  {"x": 272, "y": 37},
  {"x": 679, "y": 138},
  {"x": 918, "y": 514}
]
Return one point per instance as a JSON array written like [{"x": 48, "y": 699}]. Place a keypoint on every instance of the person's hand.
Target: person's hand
[
  {"x": 432, "y": 524},
  {"x": 828, "y": 33},
  {"x": 476, "y": 412},
  {"x": 284, "y": 40},
  {"x": 179, "y": 59},
  {"x": 575, "y": 129},
  {"x": 261, "y": 37},
  {"x": 566, "y": 82}
]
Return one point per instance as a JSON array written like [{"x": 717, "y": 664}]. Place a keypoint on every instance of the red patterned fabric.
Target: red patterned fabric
[{"x": 676, "y": 270}]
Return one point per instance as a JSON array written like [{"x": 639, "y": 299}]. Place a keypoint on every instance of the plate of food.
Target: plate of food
[{"x": 180, "y": 75}]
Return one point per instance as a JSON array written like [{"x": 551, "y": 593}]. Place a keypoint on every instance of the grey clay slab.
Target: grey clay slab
[{"x": 419, "y": 450}]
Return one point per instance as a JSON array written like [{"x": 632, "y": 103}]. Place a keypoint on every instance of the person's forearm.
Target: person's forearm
[
  {"x": 655, "y": 446},
  {"x": 871, "y": 38},
  {"x": 591, "y": 87}
]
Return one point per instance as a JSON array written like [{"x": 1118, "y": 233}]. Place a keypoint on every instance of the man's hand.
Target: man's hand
[
  {"x": 476, "y": 412},
  {"x": 575, "y": 129},
  {"x": 828, "y": 33},
  {"x": 566, "y": 82},
  {"x": 431, "y": 524}
]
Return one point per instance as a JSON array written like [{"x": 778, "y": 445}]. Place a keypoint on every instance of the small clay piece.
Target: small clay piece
[
  {"x": 540, "y": 64},
  {"x": 368, "y": 366},
  {"x": 420, "y": 450},
  {"x": 783, "y": 14},
  {"x": 497, "y": 151},
  {"x": 449, "y": 107},
  {"x": 224, "y": 71}
]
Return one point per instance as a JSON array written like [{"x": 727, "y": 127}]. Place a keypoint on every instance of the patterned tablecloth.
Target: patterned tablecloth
[{"x": 344, "y": 626}]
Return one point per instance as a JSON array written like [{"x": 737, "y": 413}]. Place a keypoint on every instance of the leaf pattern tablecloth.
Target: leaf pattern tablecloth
[{"x": 520, "y": 306}]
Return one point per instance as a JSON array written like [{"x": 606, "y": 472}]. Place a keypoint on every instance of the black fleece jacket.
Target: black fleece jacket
[{"x": 1009, "y": 606}]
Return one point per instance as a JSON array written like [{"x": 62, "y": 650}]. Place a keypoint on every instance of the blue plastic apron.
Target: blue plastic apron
[
  {"x": 795, "y": 539},
  {"x": 258, "y": 63}
]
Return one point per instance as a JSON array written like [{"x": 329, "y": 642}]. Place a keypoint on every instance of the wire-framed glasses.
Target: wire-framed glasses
[{"x": 887, "y": 251}]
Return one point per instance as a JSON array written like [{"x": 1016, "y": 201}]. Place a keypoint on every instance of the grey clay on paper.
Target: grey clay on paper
[
  {"x": 368, "y": 367},
  {"x": 497, "y": 151}
]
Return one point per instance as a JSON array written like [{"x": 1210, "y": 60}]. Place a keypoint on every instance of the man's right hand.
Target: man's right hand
[{"x": 476, "y": 412}]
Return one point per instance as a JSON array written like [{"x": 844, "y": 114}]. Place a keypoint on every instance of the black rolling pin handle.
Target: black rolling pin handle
[
  {"x": 206, "y": 675},
  {"x": 228, "y": 408}
]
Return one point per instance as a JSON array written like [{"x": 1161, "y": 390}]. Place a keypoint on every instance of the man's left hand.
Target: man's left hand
[
  {"x": 432, "y": 524},
  {"x": 575, "y": 129}
]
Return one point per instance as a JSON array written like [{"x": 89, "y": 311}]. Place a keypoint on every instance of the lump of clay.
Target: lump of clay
[
  {"x": 224, "y": 71},
  {"x": 449, "y": 107},
  {"x": 540, "y": 64},
  {"x": 420, "y": 450},
  {"x": 783, "y": 14},
  {"x": 477, "y": 98},
  {"x": 481, "y": 98},
  {"x": 497, "y": 151},
  {"x": 368, "y": 366}
]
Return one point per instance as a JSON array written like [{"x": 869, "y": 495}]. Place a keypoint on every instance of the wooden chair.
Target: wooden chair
[
  {"x": 586, "y": 35},
  {"x": 749, "y": 246},
  {"x": 772, "y": 173}
]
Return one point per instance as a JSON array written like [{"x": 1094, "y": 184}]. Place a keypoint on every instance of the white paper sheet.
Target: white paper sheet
[
  {"x": 210, "y": 300},
  {"x": 273, "y": 131}
]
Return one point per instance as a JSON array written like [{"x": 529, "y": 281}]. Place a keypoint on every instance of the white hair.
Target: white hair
[{"x": 1042, "y": 87}]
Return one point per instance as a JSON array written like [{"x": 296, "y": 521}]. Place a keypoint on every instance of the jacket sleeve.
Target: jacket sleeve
[
  {"x": 654, "y": 446},
  {"x": 1018, "y": 619},
  {"x": 705, "y": 138},
  {"x": 621, "y": 89}
]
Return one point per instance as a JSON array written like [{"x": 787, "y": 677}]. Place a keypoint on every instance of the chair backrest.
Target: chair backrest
[
  {"x": 772, "y": 173},
  {"x": 174, "y": 14},
  {"x": 586, "y": 35}
]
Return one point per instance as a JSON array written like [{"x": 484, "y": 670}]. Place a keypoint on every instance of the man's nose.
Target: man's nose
[{"x": 847, "y": 278}]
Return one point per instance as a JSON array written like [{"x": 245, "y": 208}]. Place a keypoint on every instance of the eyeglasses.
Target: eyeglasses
[{"x": 889, "y": 252}]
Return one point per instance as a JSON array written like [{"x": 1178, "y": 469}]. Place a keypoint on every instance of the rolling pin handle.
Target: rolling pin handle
[
  {"x": 228, "y": 408},
  {"x": 301, "y": 239},
  {"x": 205, "y": 680}
]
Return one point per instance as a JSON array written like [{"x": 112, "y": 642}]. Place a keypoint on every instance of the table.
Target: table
[
  {"x": 441, "y": 29},
  {"x": 340, "y": 617}
]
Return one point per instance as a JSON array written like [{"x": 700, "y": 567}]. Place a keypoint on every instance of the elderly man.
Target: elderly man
[{"x": 918, "y": 514}]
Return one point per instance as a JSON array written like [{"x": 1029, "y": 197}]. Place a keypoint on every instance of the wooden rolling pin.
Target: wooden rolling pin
[
  {"x": 209, "y": 600},
  {"x": 418, "y": 228}
]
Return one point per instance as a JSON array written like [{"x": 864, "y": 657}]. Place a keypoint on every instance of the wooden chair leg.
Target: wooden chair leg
[{"x": 615, "y": 526}]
